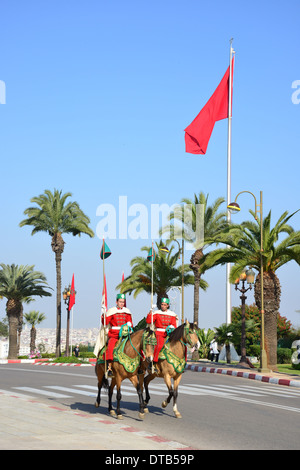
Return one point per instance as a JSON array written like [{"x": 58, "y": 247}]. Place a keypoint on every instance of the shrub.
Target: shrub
[
  {"x": 67, "y": 359},
  {"x": 284, "y": 356},
  {"x": 86, "y": 354},
  {"x": 253, "y": 350}
]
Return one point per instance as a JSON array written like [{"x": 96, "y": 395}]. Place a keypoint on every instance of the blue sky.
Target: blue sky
[{"x": 98, "y": 95}]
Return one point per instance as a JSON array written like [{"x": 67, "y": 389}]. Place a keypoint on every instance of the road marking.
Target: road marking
[
  {"x": 280, "y": 393},
  {"x": 225, "y": 389},
  {"x": 263, "y": 403},
  {"x": 16, "y": 394},
  {"x": 42, "y": 392},
  {"x": 70, "y": 390},
  {"x": 129, "y": 390}
]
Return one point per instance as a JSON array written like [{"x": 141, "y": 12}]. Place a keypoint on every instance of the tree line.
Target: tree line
[{"x": 222, "y": 242}]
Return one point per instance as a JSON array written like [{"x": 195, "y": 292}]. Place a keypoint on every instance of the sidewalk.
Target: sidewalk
[{"x": 29, "y": 424}]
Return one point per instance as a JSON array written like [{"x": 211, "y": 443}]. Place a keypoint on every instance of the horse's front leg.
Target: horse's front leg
[
  {"x": 100, "y": 376},
  {"x": 119, "y": 398},
  {"x": 147, "y": 380},
  {"x": 110, "y": 394},
  {"x": 175, "y": 396},
  {"x": 168, "y": 383},
  {"x": 139, "y": 388}
]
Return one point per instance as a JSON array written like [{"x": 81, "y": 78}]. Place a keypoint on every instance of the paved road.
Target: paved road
[{"x": 219, "y": 412}]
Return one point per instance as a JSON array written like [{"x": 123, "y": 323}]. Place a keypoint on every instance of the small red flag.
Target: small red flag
[
  {"x": 104, "y": 296},
  {"x": 123, "y": 281},
  {"x": 198, "y": 133},
  {"x": 72, "y": 294}
]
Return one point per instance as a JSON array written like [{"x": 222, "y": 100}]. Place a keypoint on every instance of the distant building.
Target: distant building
[{"x": 3, "y": 348}]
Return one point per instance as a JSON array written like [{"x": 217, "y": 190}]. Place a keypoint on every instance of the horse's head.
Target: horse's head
[
  {"x": 190, "y": 335},
  {"x": 149, "y": 341}
]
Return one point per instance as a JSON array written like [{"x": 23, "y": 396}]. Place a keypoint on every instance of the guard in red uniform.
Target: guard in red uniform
[
  {"x": 162, "y": 319},
  {"x": 115, "y": 318}
]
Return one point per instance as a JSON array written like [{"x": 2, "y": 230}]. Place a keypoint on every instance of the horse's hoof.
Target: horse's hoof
[
  {"x": 146, "y": 410},
  {"x": 141, "y": 415},
  {"x": 178, "y": 415},
  {"x": 96, "y": 404},
  {"x": 120, "y": 416},
  {"x": 164, "y": 404},
  {"x": 112, "y": 413}
]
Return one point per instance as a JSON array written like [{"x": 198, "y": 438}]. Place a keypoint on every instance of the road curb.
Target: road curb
[
  {"x": 245, "y": 375},
  {"x": 44, "y": 362}
]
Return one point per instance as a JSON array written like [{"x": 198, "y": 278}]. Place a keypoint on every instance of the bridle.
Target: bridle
[{"x": 187, "y": 336}]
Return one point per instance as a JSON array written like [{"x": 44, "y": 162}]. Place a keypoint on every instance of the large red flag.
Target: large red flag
[
  {"x": 198, "y": 133},
  {"x": 72, "y": 294}
]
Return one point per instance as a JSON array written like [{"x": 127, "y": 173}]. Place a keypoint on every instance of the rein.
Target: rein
[{"x": 126, "y": 334}]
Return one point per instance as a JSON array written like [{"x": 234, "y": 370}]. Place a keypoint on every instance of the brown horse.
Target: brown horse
[
  {"x": 173, "y": 364},
  {"x": 134, "y": 369}
]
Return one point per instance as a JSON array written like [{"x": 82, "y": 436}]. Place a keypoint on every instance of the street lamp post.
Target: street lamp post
[
  {"x": 234, "y": 207},
  {"x": 249, "y": 277}
]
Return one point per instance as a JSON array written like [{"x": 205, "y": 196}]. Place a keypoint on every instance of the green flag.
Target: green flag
[
  {"x": 105, "y": 251},
  {"x": 151, "y": 255}
]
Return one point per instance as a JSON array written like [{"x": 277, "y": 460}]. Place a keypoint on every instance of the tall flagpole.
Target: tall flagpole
[
  {"x": 228, "y": 286},
  {"x": 104, "y": 314},
  {"x": 72, "y": 319}
]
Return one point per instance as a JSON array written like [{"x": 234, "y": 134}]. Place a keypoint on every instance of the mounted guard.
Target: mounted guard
[
  {"x": 164, "y": 321},
  {"x": 112, "y": 322}
]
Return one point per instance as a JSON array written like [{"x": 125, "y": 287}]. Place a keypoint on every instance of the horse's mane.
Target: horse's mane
[{"x": 177, "y": 334}]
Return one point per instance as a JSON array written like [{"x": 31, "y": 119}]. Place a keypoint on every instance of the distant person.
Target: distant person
[
  {"x": 76, "y": 350},
  {"x": 214, "y": 351}
]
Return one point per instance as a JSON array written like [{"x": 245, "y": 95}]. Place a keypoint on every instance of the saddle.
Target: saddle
[{"x": 171, "y": 358}]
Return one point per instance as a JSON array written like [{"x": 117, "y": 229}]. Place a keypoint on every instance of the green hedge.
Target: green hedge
[{"x": 284, "y": 356}]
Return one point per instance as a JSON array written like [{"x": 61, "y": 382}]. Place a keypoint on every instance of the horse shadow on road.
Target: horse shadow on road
[{"x": 129, "y": 409}]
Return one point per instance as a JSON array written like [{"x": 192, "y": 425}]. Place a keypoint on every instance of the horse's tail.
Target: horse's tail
[{"x": 105, "y": 383}]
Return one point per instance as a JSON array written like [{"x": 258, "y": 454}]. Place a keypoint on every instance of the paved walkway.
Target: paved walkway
[{"x": 26, "y": 423}]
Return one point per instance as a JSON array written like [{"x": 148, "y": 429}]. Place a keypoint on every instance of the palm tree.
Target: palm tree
[
  {"x": 165, "y": 274},
  {"x": 34, "y": 318},
  {"x": 54, "y": 215},
  {"x": 244, "y": 250},
  {"x": 224, "y": 336},
  {"x": 205, "y": 338},
  {"x": 201, "y": 224},
  {"x": 19, "y": 284}
]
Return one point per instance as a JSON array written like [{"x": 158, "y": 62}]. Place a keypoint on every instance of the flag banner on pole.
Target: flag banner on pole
[
  {"x": 151, "y": 254},
  {"x": 104, "y": 297},
  {"x": 198, "y": 133},
  {"x": 72, "y": 294},
  {"x": 105, "y": 251}
]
